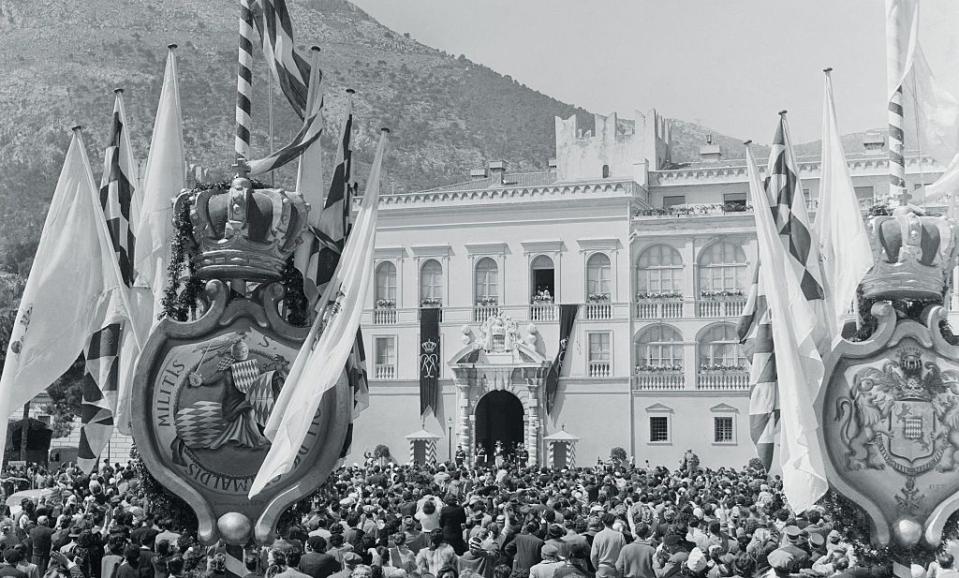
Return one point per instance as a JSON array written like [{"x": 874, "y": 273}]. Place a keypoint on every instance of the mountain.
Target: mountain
[{"x": 447, "y": 114}]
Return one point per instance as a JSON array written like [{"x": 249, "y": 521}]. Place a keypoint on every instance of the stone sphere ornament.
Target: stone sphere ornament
[
  {"x": 907, "y": 532},
  {"x": 235, "y": 528}
]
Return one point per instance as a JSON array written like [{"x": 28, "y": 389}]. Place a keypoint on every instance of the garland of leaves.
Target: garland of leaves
[
  {"x": 161, "y": 499},
  {"x": 295, "y": 302},
  {"x": 179, "y": 297}
]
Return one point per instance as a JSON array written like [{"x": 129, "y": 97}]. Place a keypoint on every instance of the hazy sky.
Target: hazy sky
[{"x": 728, "y": 64}]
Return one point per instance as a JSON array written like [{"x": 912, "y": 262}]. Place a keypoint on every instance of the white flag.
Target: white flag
[
  {"x": 320, "y": 361},
  {"x": 844, "y": 244},
  {"x": 72, "y": 281},
  {"x": 799, "y": 366},
  {"x": 164, "y": 178}
]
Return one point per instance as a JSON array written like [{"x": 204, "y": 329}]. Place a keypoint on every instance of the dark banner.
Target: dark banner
[
  {"x": 429, "y": 360},
  {"x": 567, "y": 315}
]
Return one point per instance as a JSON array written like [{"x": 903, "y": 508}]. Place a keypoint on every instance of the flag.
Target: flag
[
  {"x": 567, "y": 315},
  {"x": 119, "y": 200},
  {"x": 846, "y": 256},
  {"x": 291, "y": 70},
  {"x": 321, "y": 359},
  {"x": 429, "y": 361},
  {"x": 308, "y": 134},
  {"x": 333, "y": 219},
  {"x": 793, "y": 225},
  {"x": 71, "y": 284},
  {"x": 797, "y": 359},
  {"x": 755, "y": 333},
  {"x": 163, "y": 179},
  {"x": 310, "y": 186}
]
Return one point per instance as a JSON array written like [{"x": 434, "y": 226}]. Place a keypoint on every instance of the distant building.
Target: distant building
[{"x": 657, "y": 253}]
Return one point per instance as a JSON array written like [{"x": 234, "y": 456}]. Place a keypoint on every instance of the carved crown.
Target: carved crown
[
  {"x": 245, "y": 233},
  {"x": 914, "y": 255}
]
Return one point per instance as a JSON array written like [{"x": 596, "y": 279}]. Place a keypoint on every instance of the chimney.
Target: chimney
[
  {"x": 497, "y": 170},
  {"x": 873, "y": 141},
  {"x": 710, "y": 151},
  {"x": 478, "y": 175},
  {"x": 551, "y": 171}
]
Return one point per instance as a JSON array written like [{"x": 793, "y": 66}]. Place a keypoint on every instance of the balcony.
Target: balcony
[
  {"x": 698, "y": 210},
  {"x": 484, "y": 310},
  {"x": 734, "y": 379},
  {"x": 598, "y": 307},
  {"x": 384, "y": 315},
  {"x": 600, "y": 369},
  {"x": 542, "y": 311},
  {"x": 720, "y": 305},
  {"x": 384, "y": 371},
  {"x": 658, "y": 379},
  {"x": 658, "y": 307}
]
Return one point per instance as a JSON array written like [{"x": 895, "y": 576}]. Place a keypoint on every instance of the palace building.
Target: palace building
[{"x": 657, "y": 253}]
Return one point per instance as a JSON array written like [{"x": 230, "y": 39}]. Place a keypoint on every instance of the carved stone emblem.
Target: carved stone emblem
[{"x": 889, "y": 411}]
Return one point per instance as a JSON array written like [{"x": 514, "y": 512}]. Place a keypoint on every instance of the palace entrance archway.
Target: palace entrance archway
[{"x": 499, "y": 418}]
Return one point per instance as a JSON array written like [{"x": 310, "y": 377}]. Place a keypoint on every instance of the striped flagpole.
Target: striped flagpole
[
  {"x": 244, "y": 83},
  {"x": 894, "y": 64}
]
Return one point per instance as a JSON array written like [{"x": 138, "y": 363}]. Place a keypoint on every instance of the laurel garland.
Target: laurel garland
[
  {"x": 295, "y": 302},
  {"x": 180, "y": 297}
]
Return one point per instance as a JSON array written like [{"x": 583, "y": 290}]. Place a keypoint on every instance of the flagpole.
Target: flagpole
[
  {"x": 897, "y": 167},
  {"x": 105, "y": 234},
  {"x": 244, "y": 88}
]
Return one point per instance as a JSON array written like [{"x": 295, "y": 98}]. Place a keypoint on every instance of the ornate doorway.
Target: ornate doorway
[{"x": 499, "y": 418}]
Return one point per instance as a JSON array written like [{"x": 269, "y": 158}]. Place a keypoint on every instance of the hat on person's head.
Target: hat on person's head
[
  {"x": 780, "y": 559},
  {"x": 555, "y": 531},
  {"x": 549, "y": 550},
  {"x": 792, "y": 532},
  {"x": 696, "y": 561},
  {"x": 816, "y": 540},
  {"x": 352, "y": 558}
]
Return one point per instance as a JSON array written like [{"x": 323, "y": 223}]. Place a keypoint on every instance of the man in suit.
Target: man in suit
[
  {"x": 636, "y": 559},
  {"x": 316, "y": 562},
  {"x": 41, "y": 540},
  {"x": 525, "y": 549}
]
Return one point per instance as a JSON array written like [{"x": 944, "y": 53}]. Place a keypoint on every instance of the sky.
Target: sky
[{"x": 731, "y": 65}]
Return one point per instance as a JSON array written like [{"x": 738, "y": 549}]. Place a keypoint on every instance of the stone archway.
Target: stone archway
[{"x": 499, "y": 417}]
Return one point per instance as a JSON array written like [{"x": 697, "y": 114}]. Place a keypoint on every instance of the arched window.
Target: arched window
[
  {"x": 487, "y": 281},
  {"x": 659, "y": 270},
  {"x": 543, "y": 278},
  {"x": 597, "y": 275},
  {"x": 431, "y": 283},
  {"x": 719, "y": 348},
  {"x": 386, "y": 284},
  {"x": 661, "y": 347},
  {"x": 722, "y": 268}
]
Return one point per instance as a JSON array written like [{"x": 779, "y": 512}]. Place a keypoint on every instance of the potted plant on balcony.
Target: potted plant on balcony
[
  {"x": 385, "y": 304},
  {"x": 659, "y": 296},
  {"x": 720, "y": 295},
  {"x": 431, "y": 302},
  {"x": 598, "y": 298},
  {"x": 723, "y": 367},
  {"x": 486, "y": 302}
]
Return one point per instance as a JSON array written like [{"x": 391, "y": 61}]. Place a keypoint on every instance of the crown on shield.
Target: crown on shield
[
  {"x": 429, "y": 346},
  {"x": 914, "y": 255},
  {"x": 244, "y": 232}
]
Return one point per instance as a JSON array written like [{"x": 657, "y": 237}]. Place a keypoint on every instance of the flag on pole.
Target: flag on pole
[
  {"x": 793, "y": 226},
  {"x": 310, "y": 186},
  {"x": 119, "y": 187},
  {"x": 323, "y": 355},
  {"x": 289, "y": 68},
  {"x": 755, "y": 332},
  {"x": 308, "y": 134},
  {"x": 101, "y": 382},
  {"x": 794, "y": 327},
  {"x": 846, "y": 255},
  {"x": 163, "y": 179},
  {"x": 71, "y": 284}
]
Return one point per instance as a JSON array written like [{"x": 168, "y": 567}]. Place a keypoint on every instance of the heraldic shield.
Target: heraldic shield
[
  {"x": 203, "y": 392},
  {"x": 889, "y": 413}
]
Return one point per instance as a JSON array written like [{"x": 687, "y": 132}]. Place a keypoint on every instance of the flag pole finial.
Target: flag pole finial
[
  {"x": 783, "y": 112},
  {"x": 76, "y": 128},
  {"x": 315, "y": 48},
  {"x": 172, "y": 46},
  {"x": 118, "y": 90},
  {"x": 827, "y": 70},
  {"x": 241, "y": 168},
  {"x": 747, "y": 142},
  {"x": 385, "y": 129}
]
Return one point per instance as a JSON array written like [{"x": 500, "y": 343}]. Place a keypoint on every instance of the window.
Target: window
[
  {"x": 660, "y": 346},
  {"x": 431, "y": 283},
  {"x": 487, "y": 281},
  {"x": 599, "y": 347},
  {"x": 719, "y": 348},
  {"x": 385, "y": 348},
  {"x": 865, "y": 195},
  {"x": 543, "y": 278},
  {"x": 723, "y": 430},
  {"x": 659, "y": 270},
  {"x": 597, "y": 275},
  {"x": 722, "y": 268},
  {"x": 658, "y": 429},
  {"x": 605, "y": 171},
  {"x": 673, "y": 200},
  {"x": 386, "y": 284}
]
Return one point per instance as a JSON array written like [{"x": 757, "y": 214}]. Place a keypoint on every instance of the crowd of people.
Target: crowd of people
[{"x": 391, "y": 521}]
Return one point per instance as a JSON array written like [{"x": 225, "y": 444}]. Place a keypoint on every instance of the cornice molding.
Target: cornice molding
[
  {"x": 606, "y": 244},
  {"x": 542, "y": 246},
  {"x": 389, "y": 253},
  {"x": 544, "y": 192},
  {"x": 431, "y": 250},
  {"x": 486, "y": 248}
]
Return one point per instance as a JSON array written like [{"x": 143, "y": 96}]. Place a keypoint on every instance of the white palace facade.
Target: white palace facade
[{"x": 657, "y": 254}]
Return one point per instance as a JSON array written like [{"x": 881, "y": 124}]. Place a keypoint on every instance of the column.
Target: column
[
  {"x": 463, "y": 418},
  {"x": 532, "y": 433}
]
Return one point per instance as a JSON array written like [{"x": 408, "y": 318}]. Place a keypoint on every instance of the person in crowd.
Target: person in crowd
[
  {"x": 636, "y": 558},
  {"x": 316, "y": 562},
  {"x": 548, "y": 564}
]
